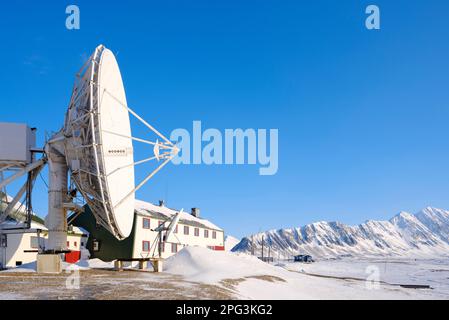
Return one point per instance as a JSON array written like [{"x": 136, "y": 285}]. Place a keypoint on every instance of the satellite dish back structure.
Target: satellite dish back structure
[{"x": 98, "y": 143}]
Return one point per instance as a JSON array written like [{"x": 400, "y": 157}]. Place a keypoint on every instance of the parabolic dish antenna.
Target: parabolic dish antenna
[
  {"x": 93, "y": 154},
  {"x": 98, "y": 143}
]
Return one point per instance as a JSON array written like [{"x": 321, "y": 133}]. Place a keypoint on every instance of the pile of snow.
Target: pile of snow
[
  {"x": 425, "y": 234},
  {"x": 230, "y": 242},
  {"x": 88, "y": 264},
  {"x": 85, "y": 254},
  {"x": 208, "y": 266}
]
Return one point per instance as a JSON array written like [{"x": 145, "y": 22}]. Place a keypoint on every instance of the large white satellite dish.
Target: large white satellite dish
[{"x": 98, "y": 143}]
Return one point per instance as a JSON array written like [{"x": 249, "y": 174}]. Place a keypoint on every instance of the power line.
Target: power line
[{"x": 42, "y": 178}]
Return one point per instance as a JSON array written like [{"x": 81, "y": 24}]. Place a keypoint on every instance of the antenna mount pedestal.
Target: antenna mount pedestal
[{"x": 56, "y": 220}]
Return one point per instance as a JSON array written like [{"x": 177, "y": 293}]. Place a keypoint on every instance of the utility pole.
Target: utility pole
[
  {"x": 269, "y": 254},
  {"x": 252, "y": 245},
  {"x": 262, "y": 246}
]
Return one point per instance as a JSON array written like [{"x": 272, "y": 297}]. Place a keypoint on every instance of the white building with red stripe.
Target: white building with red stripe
[{"x": 191, "y": 230}]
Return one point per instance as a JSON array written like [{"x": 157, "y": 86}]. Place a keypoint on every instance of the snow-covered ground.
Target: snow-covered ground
[
  {"x": 80, "y": 265},
  {"x": 254, "y": 279},
  {"x": 430, "y": 272},
  {"x": 199, "y": 273}
]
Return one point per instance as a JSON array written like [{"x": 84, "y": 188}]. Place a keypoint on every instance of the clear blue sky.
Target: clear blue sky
[{"x": 362, "y": 115}]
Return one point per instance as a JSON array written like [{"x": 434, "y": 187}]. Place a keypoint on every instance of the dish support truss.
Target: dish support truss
[{"x": 13, "y": 207}]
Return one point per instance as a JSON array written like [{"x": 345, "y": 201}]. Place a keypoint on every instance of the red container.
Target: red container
[{"x": 73, "y": 256}]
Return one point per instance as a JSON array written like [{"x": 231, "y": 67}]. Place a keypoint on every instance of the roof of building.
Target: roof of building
[
  {"x": 164, "y": 213},
  {"x": 20, "y": 212},
  {"x": 11, "y": 224},
  {"x": 80, "y": 230},
  {"x": 37, "y": 223}
]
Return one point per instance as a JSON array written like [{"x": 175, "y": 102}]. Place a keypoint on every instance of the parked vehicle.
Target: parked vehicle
[{"x": 303, "y": 258}]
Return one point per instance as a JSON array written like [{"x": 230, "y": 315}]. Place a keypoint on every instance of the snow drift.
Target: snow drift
[{"x": 204, "y": 265}]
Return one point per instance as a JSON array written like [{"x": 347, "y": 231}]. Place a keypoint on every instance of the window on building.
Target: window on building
[
  {"x": 176, "y": 229},
  {"x": 186, "y": 230},
  {"x": 95, "y": 245},
  {"x": 146, "y": 246},
  {"x": 146, "y": 223},
  {"x": 214, "y": 234},
  {"x": 3, "y": 240},
  {"x": 206, "y": 233},
  {"x": 174, "y": 247},
  {"x": 34, "y": 243},
  {"x": 75, "y": 244},
  {"x": 197, "y": 232},
  {"x": 163, "y": 247},
  {"x": 68, "y": 244}
]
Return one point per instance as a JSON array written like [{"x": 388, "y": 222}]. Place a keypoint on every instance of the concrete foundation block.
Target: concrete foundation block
[
  {"x": 118, "y": 265},
  {"x": 158, "y": 265},
  {"x": 49, "y": 263},
  {"x": 143, "y": 265}
]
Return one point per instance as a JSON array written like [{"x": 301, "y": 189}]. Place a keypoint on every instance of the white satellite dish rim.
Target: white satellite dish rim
[{"x": 111, "y": 114}]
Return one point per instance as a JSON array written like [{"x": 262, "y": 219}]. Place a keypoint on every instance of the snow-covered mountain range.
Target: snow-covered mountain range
[{"x": 423, "y": 234}]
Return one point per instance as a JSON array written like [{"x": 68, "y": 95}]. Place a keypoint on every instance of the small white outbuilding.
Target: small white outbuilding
[{"x": 18, "y": 247}]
